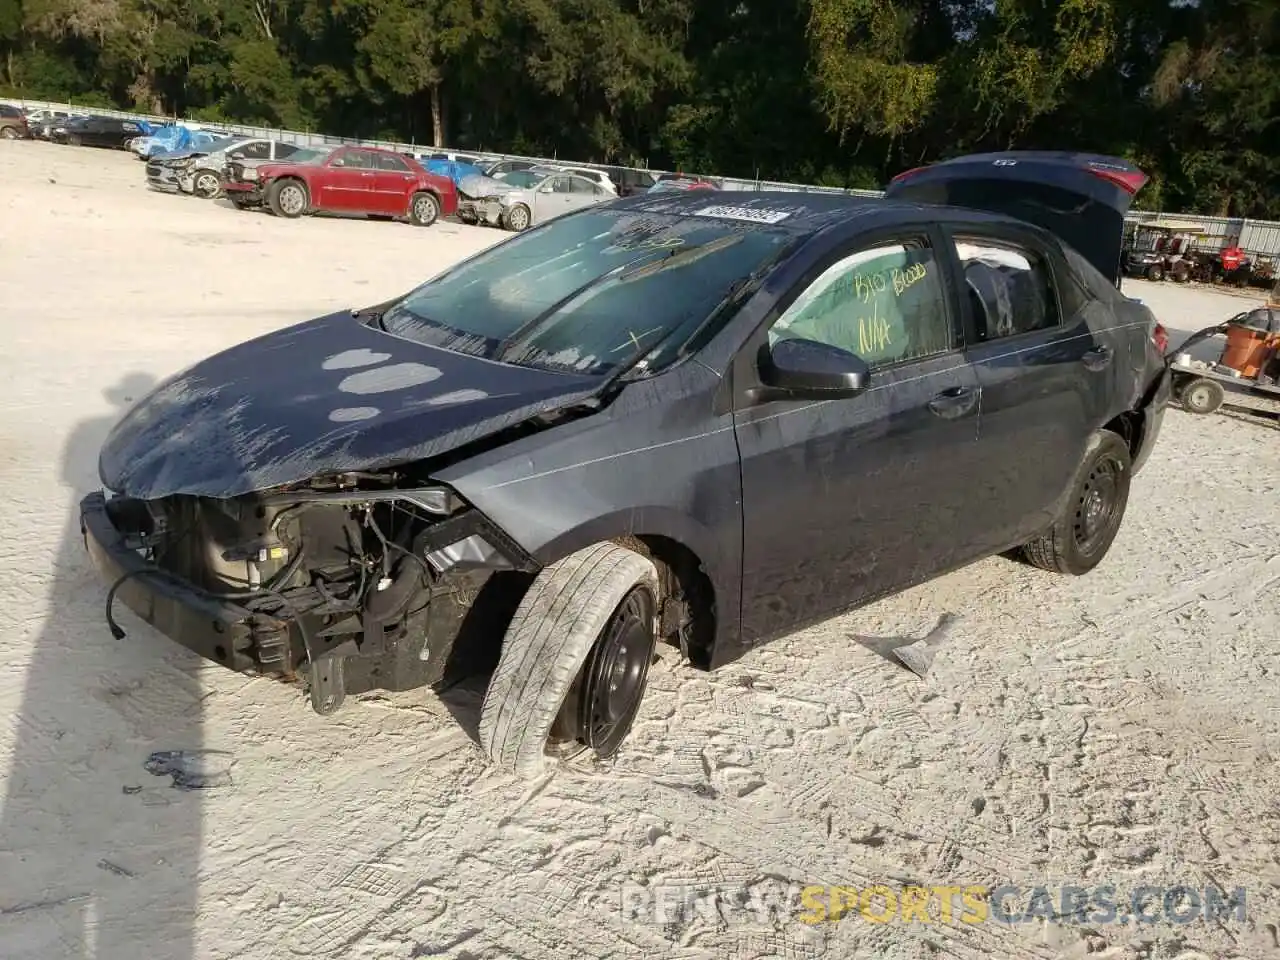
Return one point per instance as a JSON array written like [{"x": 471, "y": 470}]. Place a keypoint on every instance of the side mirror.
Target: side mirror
[{"x": 798, "y": 369}]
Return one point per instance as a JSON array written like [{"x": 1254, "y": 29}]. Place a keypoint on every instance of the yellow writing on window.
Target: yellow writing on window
[
  {"x": 874, "y": 333},
  {"x": 902, "y": 279},
  {"x": 866, "y": 287}
]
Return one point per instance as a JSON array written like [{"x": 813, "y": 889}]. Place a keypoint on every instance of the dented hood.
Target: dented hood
[{"x": 325, "y": 396}]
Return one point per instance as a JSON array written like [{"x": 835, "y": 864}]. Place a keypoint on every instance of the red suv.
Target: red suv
[{"x": 364, "y": 180}]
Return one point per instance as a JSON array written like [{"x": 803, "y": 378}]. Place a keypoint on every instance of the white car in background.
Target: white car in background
[{"x": 523, "y": 198}]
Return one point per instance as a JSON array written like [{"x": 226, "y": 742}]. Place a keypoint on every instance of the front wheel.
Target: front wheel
[
  {"x": 575, "y": 660},
  {"x": 287, "y": 198},
  {"x": 517, "y": 218},
  {"x": 8, "y": 133},
  {"x": 1090, "y": 517},
  {"x": 205, "y": 184},
  {"x": 424, "y": 210},
  {"x": 1155, "y": 273}
]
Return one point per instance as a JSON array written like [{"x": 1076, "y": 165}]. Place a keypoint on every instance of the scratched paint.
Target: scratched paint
[
  {"x": 353, "y": 414},
  {"x": 350, "y": 359},
  {"x": 397, "y": 376},
  {"x": 457, "y": 396}
]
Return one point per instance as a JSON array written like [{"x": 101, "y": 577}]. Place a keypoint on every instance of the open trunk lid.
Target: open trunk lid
[{"x": 1080, "y": 197}]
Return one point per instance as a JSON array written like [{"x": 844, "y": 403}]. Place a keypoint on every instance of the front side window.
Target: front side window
[
  {"x": 592, "y": 291},
  {"x": 884, "y": 303},
  {"x": 1009, "y": 287}
]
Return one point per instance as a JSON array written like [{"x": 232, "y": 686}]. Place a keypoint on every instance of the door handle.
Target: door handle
[
  {"x": 954, "y": 402},
  {"x": 1097, "y": 358}
]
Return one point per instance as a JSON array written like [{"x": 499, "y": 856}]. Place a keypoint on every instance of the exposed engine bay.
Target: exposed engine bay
[{"x": 373, "y": 584}]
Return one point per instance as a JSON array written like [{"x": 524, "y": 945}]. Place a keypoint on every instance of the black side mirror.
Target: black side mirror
[{"x": 797, "y": 369}]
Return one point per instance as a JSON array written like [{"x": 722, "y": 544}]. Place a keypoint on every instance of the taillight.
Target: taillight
[
  {"x": 906, "y": 173},
  {"x": 1160, "y": 337},
  {"x": 1130, "y": 181}
]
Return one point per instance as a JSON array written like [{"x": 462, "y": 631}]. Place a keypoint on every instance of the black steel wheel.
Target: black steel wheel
[
  {"x": 613, "y": 679},
  {"x": 1098, "y": 505},
  {"x": 575, "y": 661},
  {"x": 1202, "y": 396},
  {"x": 1090, "y": 517}
]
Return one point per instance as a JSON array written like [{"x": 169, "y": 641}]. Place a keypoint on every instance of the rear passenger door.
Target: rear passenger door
[
  {"x": 1039, "y": 370},
  {"x": 392, "y": 183}
]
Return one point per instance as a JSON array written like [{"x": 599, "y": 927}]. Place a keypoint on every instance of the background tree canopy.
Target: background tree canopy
[{"x": 840, "y": 92}]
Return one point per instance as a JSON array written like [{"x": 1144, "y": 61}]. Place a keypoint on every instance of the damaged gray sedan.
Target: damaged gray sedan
[{"x": 525, "y": 198}]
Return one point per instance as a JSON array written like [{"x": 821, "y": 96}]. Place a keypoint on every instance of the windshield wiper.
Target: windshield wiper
[{"x": 526, "y": 330}]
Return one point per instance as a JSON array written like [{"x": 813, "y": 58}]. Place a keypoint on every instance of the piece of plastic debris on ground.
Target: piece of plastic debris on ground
[
  {"x": 192, "y": 769},
  {"x": 918, "y": 657}
]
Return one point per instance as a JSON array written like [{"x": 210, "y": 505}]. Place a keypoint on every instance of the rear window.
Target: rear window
[{"x": 592, "y": 291}]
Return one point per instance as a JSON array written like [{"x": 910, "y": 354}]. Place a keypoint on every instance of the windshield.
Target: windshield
[
  {"x": 593, "y": 292},
  {"x": 307, "y": 155},
  {"x": 521, "y": 178}
]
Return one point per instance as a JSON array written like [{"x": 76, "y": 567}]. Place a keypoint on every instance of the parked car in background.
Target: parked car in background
[
  {"x": 363, "y": 180},
  {"x": 42, "y": 122},
  {"x": 525, "y": 198},
  {"x": 202, "y": 172},
  {"x": 172, "y": 139},
  {"x": 680, "y": 419},
  {"x": 175, "y": 171},
  {"x": 241, "y": 185},
  {"x": 13, "y": 123},
  {"x": 96, "y": 131}
]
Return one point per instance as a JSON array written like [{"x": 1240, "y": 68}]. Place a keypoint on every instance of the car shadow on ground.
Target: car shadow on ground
[{"x": 97, "y": 856}]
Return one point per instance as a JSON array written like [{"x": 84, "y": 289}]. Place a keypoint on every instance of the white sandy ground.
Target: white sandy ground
[{"x": 1115, "y": 729}]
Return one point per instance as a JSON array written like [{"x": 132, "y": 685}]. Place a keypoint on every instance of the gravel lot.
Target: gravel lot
[{"x": 1115, "y": 729}]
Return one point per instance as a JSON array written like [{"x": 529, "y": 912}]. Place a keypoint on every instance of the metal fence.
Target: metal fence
[{"x": 1261, "y": 238}]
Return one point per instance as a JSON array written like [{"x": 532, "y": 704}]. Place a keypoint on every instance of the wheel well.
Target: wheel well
[
  {"x": 682, "y": 577},
  {"x": 288, "y": 178},
  {"x": 1128, "y": 426}
]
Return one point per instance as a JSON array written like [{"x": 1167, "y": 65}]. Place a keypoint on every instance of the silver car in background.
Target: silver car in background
[{"x": 524, "y": 198}]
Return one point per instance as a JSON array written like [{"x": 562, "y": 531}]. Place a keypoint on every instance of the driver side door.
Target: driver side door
[{"x": 848, "y": 499}]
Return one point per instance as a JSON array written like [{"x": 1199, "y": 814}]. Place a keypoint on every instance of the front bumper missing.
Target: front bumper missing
[
  {"x": 452, "y": 636},
  {"x": 216, "y": 629},
  {"x": 481, "y": 211}
]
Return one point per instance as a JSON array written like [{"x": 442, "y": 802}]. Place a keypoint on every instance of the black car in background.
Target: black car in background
[
  {"x": 95, "y": 131},
  {"x": 701, "y": 418}
]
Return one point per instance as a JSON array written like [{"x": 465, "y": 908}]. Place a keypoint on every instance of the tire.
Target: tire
[
  {"x": 75, "y": 141},
  {"x": 1155, "y": 273},
  {"x": 1102, "y": 484},
  {"x": 558, "y": 638},
  {"x": 517, "y": 218},
  {"x": 206, "y": 184},
  {"x": 424, "y": 209},
  {"x": 8, "y": 133},
  {"x": 288, "y": 198},
  {"x": 1202, "y": 396}
]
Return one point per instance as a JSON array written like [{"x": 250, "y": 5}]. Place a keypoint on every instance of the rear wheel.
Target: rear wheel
[
  {"x": 424, "y": 209},
  {"x": 287, "y": 198},
  {"x": 1155, "y": 272},
  {"x": 575, "y": 660},
  {"x": 1202, "y": 396},
  {"x": 1091, "y": 515}
]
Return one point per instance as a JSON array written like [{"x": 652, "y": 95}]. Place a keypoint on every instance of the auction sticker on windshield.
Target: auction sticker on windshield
[{"x": 743, "y": 213}]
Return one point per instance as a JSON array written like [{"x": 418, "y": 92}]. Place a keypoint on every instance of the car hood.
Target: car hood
[
  {"x": 327, "y": 396},
  {"x": 183, "y": 154},
  {"x": 478, "y": 185}
]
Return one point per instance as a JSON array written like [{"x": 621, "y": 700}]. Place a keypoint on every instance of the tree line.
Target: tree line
[{"x": 838, "y": 92}]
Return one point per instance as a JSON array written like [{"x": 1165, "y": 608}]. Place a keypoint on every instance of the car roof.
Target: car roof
[{"x": 800, "y": 212}]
